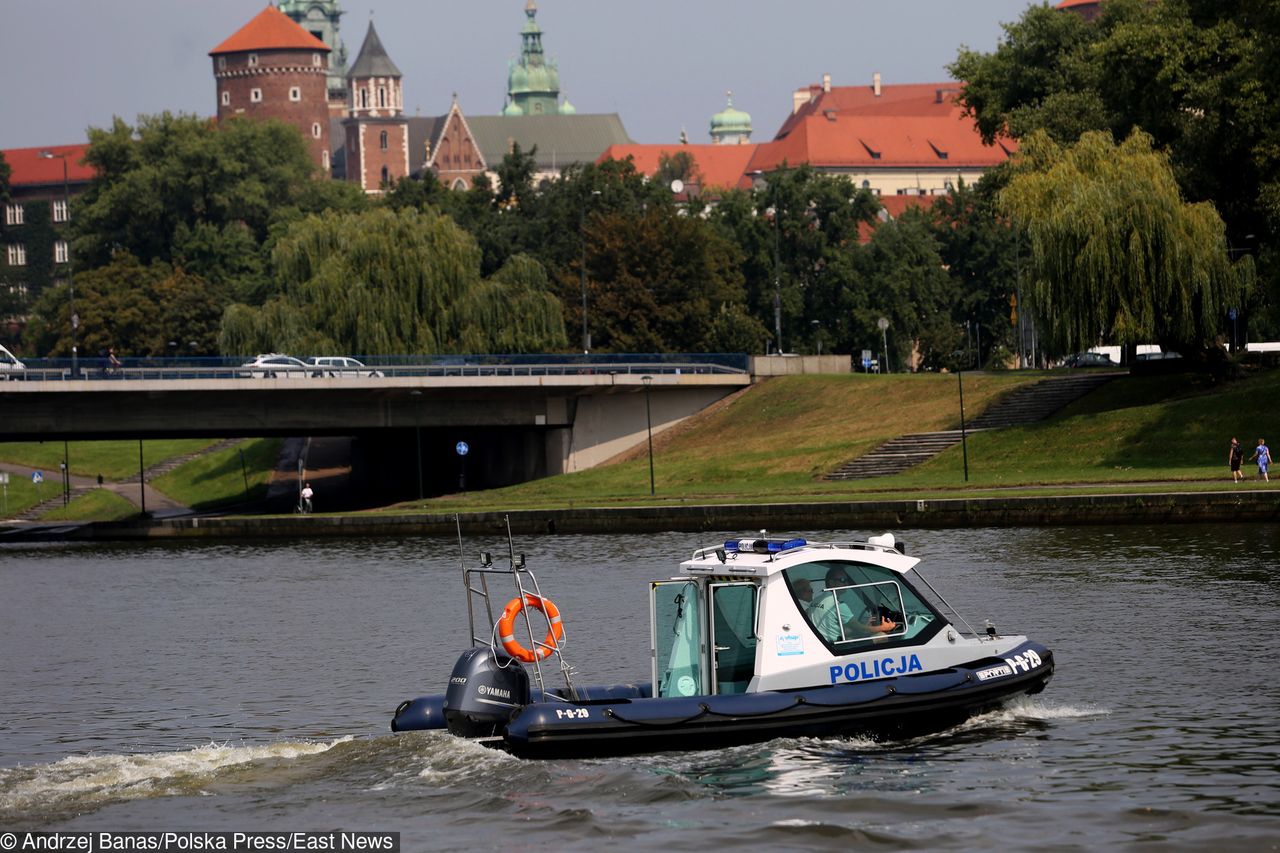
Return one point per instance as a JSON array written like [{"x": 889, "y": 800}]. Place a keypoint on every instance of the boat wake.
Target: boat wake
[{"x": 92, "y": 781}]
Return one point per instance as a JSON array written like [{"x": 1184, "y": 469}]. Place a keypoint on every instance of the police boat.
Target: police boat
[{"x": 757, "y": 638}]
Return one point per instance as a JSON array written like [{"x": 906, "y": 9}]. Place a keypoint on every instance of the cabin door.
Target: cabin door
[
  {"x": 733, "y": 636},
  {"x": 675, "y": 614}
]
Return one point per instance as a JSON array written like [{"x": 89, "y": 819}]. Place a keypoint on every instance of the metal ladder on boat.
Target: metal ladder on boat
[{"x": 476, "y": 582}]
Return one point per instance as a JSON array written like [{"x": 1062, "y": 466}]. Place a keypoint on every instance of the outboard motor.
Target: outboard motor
[{"x": 485, "y": 688}]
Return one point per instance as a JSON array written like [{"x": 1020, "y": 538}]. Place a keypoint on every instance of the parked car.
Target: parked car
[
  {"x": 9, "y": 365},
  {"x": 1089, "y": 359},
  {"x": 274, "y": 364},
  {"x": 1157, "y": 356},
  {"x": 341, "y": 365}
]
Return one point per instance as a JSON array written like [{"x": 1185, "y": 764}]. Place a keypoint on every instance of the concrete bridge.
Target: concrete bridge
[{"x": 519, "y": 423}]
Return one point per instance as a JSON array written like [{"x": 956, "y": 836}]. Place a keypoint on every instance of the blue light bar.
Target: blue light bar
[{"x": 762, "y": 546}]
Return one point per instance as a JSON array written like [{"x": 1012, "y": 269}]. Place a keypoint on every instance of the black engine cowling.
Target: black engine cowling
[{"x": 485, "y": 689}]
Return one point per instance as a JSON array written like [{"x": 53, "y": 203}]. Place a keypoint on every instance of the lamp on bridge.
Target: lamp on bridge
[{"x": 71, "y": 281}]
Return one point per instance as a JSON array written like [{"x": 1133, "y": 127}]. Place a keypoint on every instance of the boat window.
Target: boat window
[
  {"x": 677, "y": 638},
  {"x": 853, "y": 605},
  {"x": 733, "y": 639}
]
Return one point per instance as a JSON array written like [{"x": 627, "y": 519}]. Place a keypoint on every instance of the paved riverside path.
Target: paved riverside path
[{"x": 156, "y": 501}]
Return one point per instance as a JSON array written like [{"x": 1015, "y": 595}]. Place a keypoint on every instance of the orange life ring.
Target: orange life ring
[{"x": 506, "y": 628}]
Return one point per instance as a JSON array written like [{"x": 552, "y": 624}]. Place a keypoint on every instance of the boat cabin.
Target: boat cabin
[{"x": 760, "y": 614}]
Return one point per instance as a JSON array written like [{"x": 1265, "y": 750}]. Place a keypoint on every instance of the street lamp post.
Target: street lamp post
[
  {"x": 883, "y": 324},
  {"x": 71, "y": 281},
  {"x": 817, "y": 334},
  {"x": 648, "y": 417},
  {"x": 582, "y": 236}
]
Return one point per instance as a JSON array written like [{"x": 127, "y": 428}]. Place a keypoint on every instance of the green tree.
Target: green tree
[
  {"x": 182, "y": 189},
  {"x": 978, "y": 249},
  {"x": 656, "y": 282},
  {"x": 387, "y": 282},
  {"x": 136, "y": 308},
  {"x": 6, "y": 171},
  {"x": 1199, "y": 76},
  {"x": 1116, "y": 255}
]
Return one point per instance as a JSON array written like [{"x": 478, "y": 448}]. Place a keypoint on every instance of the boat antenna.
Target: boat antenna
[
  {"x": 462, "y": 560},
  {"x": 511, "y": 548}
]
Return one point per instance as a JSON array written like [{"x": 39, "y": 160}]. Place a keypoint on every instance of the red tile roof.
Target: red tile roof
[
  {"x": 270, "y": 29},
  {"x": 30, "y": 169},
  {"x": 905, "y": 126},
  {"x": 720, "y": 166}
]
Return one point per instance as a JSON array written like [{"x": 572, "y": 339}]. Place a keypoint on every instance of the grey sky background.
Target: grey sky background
[{"x": 663, "y": 65}]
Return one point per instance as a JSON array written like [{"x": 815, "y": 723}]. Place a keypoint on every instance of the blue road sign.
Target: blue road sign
[
  {"x": 37, "y": 477},
  {"x": 1232, "y": 314},
  {"x": 463, "y": 448}
]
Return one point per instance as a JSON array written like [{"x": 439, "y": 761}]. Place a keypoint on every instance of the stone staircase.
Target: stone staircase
[
  {"x": 169, "y": 464},
  {"x": 1031, "y": 403},
  {"x": 32, "y": 513},
  {"x": 1023, "y": 405}
]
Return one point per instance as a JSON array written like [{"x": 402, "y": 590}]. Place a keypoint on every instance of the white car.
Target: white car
[
  {"x": 341, "y": 365},
  {"x": 272, "y": 365},
  {"x": 9, "y": 365}
]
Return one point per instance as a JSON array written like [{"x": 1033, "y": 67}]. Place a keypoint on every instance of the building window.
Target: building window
[
  {"x": 255, "y": 96},
  {"x": 222, "y": 63},
  {"x": 382, "y": 140},
  {"x": 226, "y": 99},
  {"x": 253, "y": 60},
  {"x": 316, "y": 60},
  {"x": 324, "y": 159},
  {"x": 60, "y": 253},
  {"x": 385, "y": 176},
  {"x": 295, "y": 93},
  {"x": 382, "y": 96},
  {"x": 315, "y": 130},
  {"x": 364, "y": 99},
  {"x": 60, "y": 211},
  {"x": 13, "y": 214},
  {"x": 866, "y": 185},
  {"x": 17, "y": 255}
]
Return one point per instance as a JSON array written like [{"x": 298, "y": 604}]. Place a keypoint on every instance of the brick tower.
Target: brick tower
[
  {"x": 376, "y": 129},
  {"x": 272, "y": 68}
]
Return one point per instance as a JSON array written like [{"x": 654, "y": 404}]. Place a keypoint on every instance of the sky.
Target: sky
[{"x": 662, "y": 65}]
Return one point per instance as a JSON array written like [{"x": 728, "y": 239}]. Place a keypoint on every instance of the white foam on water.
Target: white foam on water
[{"x": 152, "y": 774}]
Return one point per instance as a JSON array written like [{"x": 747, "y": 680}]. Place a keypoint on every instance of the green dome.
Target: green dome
[
  {"x": 568, "y": 109},
  {"x": 517, "y": 79},
  {"x": 512, "y": 109},
  {"x": 730, "y": 122}
]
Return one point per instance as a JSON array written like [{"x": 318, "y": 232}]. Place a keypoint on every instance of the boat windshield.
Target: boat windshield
[{"x": 851, "y": 605}]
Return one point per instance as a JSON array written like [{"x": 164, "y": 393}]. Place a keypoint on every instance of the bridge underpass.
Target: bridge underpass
[{"x": 404, "y": 430}]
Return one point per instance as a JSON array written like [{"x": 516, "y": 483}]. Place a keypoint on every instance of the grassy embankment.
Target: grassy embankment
[
  {"x": 774, "y": 443},
  {"x": 208, "y": 481}
]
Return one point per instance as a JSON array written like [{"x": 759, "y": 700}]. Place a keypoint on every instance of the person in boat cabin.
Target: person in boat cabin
[{"x": 833, "y": 610}]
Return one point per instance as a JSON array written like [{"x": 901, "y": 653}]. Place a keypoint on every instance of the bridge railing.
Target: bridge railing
[{"x": 134, "y": 369}]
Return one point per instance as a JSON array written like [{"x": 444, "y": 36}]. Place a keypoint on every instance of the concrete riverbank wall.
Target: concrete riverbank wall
[{"x": 1163, "y": 508}]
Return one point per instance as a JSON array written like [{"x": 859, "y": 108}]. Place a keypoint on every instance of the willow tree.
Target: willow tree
[
  {"x": 392, "y": 282},
  {"x": 1117, "y": 255}
]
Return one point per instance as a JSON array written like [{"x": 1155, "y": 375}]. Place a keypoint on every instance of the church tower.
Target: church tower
[
  {"x": 320, "y": 18},
  {"x": 730, "y": 126},
  {"x": 533, "y": 83},
  {"x": 376, "y": 129},
  {"x": 272, "y": 68}
]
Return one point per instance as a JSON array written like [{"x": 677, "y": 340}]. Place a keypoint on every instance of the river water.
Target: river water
[{"x": 249, "y": 687}]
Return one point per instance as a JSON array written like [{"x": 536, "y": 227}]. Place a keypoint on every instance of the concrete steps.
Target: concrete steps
[
  {"x": 169, "y": 464},
  {"x": 32, "y": 513},
  {"x": 1027, "y": 404}
]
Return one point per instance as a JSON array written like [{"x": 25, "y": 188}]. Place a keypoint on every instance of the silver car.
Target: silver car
[
  {"x": 341, "y": 365},
  {"x": 273, "y": 365},
  {"x": 9, "y": 365}
]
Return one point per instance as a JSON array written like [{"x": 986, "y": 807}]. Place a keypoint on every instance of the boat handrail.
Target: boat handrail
[{"x": 517, "y": 570}]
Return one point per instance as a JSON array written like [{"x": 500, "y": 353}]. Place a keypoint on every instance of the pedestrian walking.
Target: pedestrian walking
[
  {"x": 1263, "y": 455},
  {"x": 1234, "y": 457}
]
